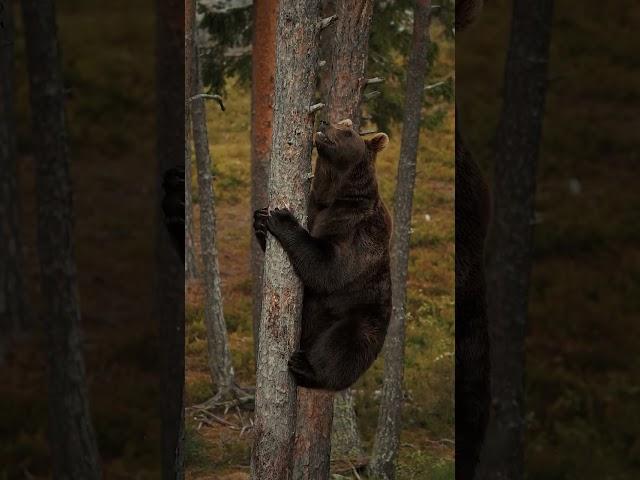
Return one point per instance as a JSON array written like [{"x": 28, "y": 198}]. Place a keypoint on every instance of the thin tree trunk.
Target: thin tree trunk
[
  {"x": 190, "y": 266},
  {"x": 509, "y": 245},
  {"x": 345, "y": 435},
  {"x": 219, "y": 354},
  {"x": 387, "y": 439},
  {"x": 169, "y": 271},
  {"x": 263, "y": 66},
  {"x": 296, "y": 68},
  {"x": 72, "y": 438},
  {"x": 12, "y": 294}
]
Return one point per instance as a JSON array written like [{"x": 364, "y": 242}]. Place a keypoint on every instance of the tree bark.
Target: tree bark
[
  {"x": 387, "y": 439},
  {"x": 72, "y": 438},
  {"x": 349, "y": 59},
  {"x": 169, "y": 270},
  {"x": 190, "y": 266},
  {"x": 509, "y": 244},
  {"x": 263, "y": 66},
  {"x": 13, "y": 308},
  {"x": 219, "y": 354},
  {"x": 296, "y": 67}
]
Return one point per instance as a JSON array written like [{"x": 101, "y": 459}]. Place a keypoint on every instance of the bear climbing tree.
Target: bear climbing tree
[{"x": 298, "y": 27}]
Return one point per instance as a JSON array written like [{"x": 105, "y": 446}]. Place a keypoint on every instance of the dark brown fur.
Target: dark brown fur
[
  {"x": 342, "y": 260},
  {"x": 473, "y": 395}
]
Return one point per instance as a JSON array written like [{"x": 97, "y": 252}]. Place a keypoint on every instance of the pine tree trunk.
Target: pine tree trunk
[
  {"x": 290, "y": 166},
  {"x": 169, "y": 274},
  {"x": 219, "y": 354},
  {"x": 509, "y": 246},
  {"x": 263, "y": 66},
  {"x": 190, "y": 265},
  {"x": 13, "y": 308},
  {"x": 387, "y": 439},
  {"x": 72, "y": 437}
]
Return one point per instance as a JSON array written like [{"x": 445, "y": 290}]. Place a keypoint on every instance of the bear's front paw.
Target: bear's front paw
[
  {"x": 281, "y": 221},
  {"x": 260, "y": 226}
]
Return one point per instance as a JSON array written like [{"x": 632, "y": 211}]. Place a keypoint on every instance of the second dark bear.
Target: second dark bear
[{"x": 342, "y": 260}]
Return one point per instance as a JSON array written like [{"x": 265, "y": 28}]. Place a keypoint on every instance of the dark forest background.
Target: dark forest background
[
  {"x": 108, "y": 68},
  {"x": 582, "y": 368}
]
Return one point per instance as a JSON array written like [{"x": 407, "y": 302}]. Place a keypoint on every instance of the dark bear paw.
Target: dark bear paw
[
  {"x": 260, "y": 226},
  {"x": 302, "y": 370},
  {"x": 298, "y": 363},
  {"x": 281, "y": 221}
]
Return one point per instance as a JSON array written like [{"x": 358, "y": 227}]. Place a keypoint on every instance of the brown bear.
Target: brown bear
[
  {"x": 173, "y": 206},
  {"x": 472, "y": 209},
  {"x": 342, "y": 260}
]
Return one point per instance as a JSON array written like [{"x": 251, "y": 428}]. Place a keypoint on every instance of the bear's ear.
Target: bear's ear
[
  {"x": 346, "y": 123},
  {"x": 378, "y": 142}
]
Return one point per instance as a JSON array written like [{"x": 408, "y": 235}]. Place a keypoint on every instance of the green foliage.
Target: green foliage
[
  {"x": 389, "y": 43},
  {"x": 227, "y": 31}
]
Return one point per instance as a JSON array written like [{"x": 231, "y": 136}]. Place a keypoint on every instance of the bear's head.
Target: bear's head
[{"x": 342, "y": 146}]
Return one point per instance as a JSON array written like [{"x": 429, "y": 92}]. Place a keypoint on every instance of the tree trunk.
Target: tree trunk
[
  {"x": 169, "y": 270},
  {"x": 349, "y": 59},
  {"x": 263, "y": 66},
  {"x": 72, "y": 438},
  {"x": 509, "y": 245},
  {"x": 387, "y": 439},
  {"x": 296, "y": 65},
  {"x": 219, "y": 354},
  {"x": 190, "y": 266},
  {"x": 12, "y": 294}
]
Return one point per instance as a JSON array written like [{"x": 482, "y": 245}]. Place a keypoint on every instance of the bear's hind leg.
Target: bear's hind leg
[{"x": 302, "y": 370}]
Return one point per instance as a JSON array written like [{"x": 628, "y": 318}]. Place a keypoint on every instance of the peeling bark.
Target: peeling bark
[
  {"x": 190, "y": 265},
  {"x": 279, "y": 331},
  {"x": 72, "y": 438},
  {"x": 263, "y": 66},
  {"x": 387, "y": 439}
]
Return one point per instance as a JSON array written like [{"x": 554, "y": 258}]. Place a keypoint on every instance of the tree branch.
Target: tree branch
[{"x": 217, "y": 98}]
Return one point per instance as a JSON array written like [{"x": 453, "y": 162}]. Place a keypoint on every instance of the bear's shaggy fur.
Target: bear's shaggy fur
[
  {"x": 173, "y": 206},
  {"x": 473, "y": 393},
  {"x": 342, "y": 260}
]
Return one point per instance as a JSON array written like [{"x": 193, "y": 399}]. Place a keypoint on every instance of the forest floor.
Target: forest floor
[{"x": 427, "y": 449}]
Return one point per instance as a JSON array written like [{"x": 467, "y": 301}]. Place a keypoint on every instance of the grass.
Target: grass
[{"x": 428, "y": 416}]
